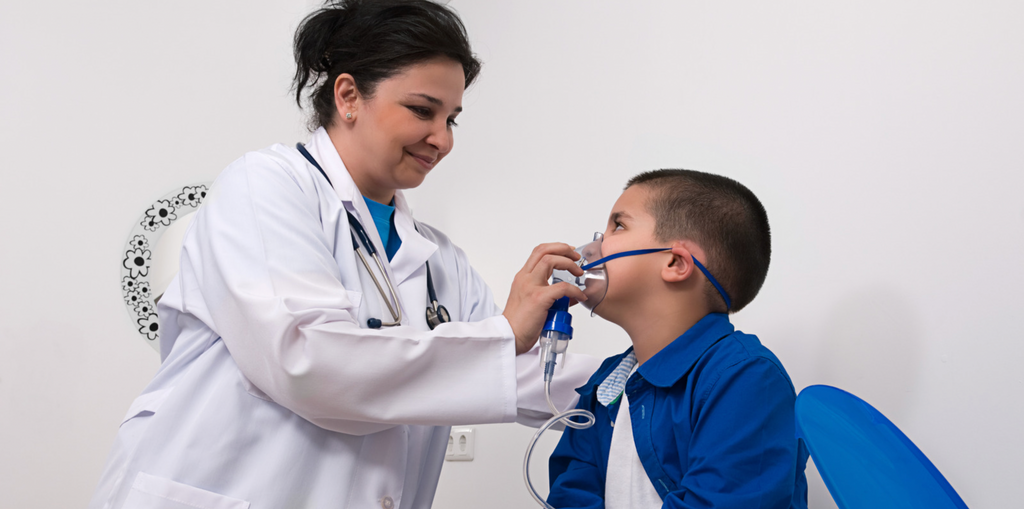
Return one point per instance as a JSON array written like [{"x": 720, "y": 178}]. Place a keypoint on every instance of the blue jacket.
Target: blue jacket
[{"x": 713, "y": 424}]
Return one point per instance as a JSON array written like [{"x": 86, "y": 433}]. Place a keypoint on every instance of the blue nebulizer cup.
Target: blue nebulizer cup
[{"x": 557, "y": 332}]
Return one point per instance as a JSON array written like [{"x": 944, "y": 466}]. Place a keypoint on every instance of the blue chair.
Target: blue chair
[{"x": 864, "y": 459}]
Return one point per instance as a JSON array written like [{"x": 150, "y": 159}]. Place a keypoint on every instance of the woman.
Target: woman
[{"x": 273, "y": 392}]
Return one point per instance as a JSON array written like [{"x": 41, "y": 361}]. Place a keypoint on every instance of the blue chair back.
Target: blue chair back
[{"x": 864, "y": 459}]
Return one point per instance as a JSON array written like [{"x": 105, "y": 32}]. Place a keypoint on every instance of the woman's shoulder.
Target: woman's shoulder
[
  {"x": 279, "y": 170},
  {"x": 275, "y": 163},
  {"x": 274, "y": 177}
]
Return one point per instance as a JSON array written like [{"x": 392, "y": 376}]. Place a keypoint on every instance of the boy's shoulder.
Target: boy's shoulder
[
  {"x": 738, "y": 349},
  {"x": 738, "y": 362}
]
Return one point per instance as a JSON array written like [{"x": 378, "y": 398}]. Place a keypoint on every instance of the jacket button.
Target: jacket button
[{"x": 387, "y": 503}]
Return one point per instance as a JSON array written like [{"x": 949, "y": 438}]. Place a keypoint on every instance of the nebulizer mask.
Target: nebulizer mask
[
  {"x": 554, "y": 339},
  {"x": 594, "y": 281}
]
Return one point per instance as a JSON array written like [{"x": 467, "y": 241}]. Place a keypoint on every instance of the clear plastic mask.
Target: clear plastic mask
[{"x": 594, "y": 281}]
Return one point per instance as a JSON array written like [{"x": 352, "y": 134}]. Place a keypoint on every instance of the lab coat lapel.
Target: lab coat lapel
[
  {"x": 323, "y": 150},
  {"x": 344, "y": 186},
  {"x": 415, "y": 250}
]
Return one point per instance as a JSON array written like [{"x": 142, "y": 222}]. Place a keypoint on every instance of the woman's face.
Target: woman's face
[{"x": 399, "y": 134}]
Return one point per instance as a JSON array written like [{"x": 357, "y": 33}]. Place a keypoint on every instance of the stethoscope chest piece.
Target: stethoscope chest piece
[{"x": 436, "y": 315}]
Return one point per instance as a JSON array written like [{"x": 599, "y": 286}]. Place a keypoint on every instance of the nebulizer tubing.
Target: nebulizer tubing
[{"x": 553, "y": 341}]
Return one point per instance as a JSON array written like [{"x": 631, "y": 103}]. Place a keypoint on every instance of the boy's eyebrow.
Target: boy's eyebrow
[
  {"x": 433, "y": 100},
  {"x": 614, "y": 218}
]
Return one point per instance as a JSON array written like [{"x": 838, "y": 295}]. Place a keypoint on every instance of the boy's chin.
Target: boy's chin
[{"x": 607, "y": 312}]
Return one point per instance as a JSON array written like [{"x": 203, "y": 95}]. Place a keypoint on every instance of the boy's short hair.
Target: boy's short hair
[{"x": 720, "y": 215}]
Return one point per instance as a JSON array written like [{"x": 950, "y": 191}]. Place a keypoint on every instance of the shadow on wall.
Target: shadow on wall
[{"x": 872, "y": 347}]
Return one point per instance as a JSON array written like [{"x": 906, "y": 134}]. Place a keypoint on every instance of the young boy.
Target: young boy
[{"x": 695, "y": 414}]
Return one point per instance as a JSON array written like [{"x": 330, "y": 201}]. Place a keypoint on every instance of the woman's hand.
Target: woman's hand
[{"x": 531, "y": 295}]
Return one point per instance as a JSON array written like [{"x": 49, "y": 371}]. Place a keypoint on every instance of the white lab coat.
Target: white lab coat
[{"x": 272, "y": 394}]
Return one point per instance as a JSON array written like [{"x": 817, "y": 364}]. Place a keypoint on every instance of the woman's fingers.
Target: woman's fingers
[
  {"x": 551, "y": 248},
  {"x": 550, "y": 262},
  {"x": 531, "y": 295},
  {"x": 567, "y": 290},
  {"x": 530, "y": 324}
]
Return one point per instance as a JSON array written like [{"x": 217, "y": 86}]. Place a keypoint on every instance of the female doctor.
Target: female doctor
[{"x": 274, "y": 391}]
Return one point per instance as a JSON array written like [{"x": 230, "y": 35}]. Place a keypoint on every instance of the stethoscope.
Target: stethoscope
[{"x": 436, "y": 313}]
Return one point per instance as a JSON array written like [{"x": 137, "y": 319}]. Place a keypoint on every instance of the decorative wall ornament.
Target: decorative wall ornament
[{"x": 137, "y": 258}]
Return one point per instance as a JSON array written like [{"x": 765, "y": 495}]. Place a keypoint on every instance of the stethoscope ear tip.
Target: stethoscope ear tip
[{"x": 374, "y": 323}]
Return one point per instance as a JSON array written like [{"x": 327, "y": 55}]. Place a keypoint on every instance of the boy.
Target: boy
[{"x": 695, "y": 414}]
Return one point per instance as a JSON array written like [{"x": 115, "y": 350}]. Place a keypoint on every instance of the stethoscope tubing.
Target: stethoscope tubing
[
  {"x": 359, "y": 236},
  {"x": 396, "y": 311},
  {"x": 359, "y": 231}
]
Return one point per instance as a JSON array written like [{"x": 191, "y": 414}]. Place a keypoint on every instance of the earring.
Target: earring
[{"x": 348, "y": 116}]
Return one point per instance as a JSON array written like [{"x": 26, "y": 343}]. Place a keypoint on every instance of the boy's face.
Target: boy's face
[{"x": 630, "y": 226}]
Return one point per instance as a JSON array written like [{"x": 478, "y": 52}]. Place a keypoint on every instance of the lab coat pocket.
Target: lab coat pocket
[{"x": 152, "y": 492}]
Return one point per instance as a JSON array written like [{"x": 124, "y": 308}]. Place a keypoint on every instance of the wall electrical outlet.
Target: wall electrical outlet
[{"x": 460, "y": 445}]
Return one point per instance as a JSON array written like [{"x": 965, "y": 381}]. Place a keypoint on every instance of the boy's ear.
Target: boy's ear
[{"x": 681, "y": 267}]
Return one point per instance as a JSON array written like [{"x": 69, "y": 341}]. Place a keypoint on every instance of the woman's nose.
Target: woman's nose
[{"x": 442, "y": 138}]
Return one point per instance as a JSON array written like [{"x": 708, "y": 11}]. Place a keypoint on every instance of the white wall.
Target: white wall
[{"x": 882, "y": 137}]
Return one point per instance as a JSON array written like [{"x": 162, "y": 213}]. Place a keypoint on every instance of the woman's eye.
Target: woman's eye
[
  {"x": 618, "y": 226},
  {"x": 451, "y": 123},
  {"x": 420, "y": 111}
]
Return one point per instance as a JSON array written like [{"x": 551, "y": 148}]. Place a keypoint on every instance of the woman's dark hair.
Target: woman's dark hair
[{"x": 372, "y": 40}]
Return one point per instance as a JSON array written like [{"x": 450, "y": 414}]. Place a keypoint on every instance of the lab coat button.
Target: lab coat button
[{"x": 387, "y": 503}]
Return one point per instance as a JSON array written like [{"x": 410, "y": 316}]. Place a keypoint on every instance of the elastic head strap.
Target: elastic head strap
[
  {"x": 622, "y": 255},
  {"x": 700, "y": 266},
  {"x": 707, "y": 274}
]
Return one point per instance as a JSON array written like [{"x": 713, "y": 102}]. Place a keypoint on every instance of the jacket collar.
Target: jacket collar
[
  {"x": 415, "y": 249},
  {"x": 677, "y": 359},
  {"x": 674, "y": 361}
]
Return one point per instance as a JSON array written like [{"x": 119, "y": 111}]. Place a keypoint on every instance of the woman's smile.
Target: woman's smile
[{"x": 426, "y": 162}]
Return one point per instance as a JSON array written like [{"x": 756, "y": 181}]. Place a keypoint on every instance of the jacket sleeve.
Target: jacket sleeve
[
  {"x": 272, "y": 290},
  {"x": 575, "y": 468},
  {"x": 743, "y": 450}
]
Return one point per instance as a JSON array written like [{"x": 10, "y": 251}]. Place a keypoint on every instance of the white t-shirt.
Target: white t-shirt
[{"x": 626, "y": 484}]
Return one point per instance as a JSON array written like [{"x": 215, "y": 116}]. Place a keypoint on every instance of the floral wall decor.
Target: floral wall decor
[{"x": 137, "y": 259}]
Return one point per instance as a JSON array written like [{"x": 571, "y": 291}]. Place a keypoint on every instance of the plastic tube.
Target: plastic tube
[
  {"x": 563, "y": 417},
  {"x": 554, "y": 339}
]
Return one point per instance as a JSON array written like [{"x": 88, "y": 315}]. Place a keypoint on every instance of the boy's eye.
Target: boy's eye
[{"x": 619, "y": 226}]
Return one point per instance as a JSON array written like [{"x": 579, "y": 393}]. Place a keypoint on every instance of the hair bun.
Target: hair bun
[{"x": 372, "y": 40}]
